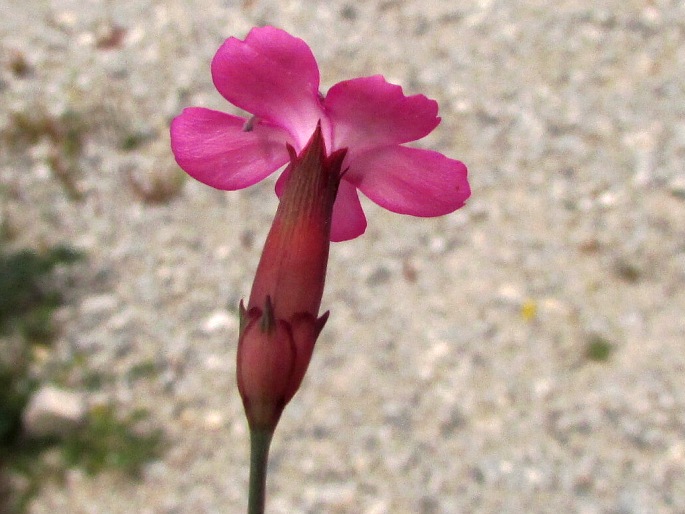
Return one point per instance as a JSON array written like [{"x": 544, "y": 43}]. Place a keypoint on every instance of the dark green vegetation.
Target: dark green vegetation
[
  {"x": 598, "y": 349},
  {"x": 28, "y": 297}
]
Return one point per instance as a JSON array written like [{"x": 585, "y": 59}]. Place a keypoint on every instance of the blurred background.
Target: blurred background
[{"x": 524, "y": 354}]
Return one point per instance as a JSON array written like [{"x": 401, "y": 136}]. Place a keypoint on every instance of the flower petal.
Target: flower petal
[
  {"x": 369, "y": 111},
  {"x": 410, "y": 180},
  {"x": 214, "y": 148},
  {"x": 274, "y": 76},
  {"x": 348, "y": 217},
  {"x": 282, "y": 179}
]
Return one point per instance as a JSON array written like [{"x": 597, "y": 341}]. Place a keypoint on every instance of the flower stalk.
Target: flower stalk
[{"x": 260, "y": 441}]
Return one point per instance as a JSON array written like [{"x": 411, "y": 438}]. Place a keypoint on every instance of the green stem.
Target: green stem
[{"x": 259, "y": 457}]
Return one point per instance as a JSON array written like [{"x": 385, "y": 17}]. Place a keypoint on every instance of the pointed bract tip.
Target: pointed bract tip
[
  {"x": 242, "y": 316},
  {"x": 321, "y": 322}
]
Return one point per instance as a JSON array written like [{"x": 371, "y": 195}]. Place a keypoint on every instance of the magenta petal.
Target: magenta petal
[
  {"x": 348, "y": 217},
  {"x": 411, "y": 180},
  {"x": 272, "y": 75},
  {"x": 369, "y": 111},
  {"x": 280, "y": 182},
  {"x": 213, "y": 148}
]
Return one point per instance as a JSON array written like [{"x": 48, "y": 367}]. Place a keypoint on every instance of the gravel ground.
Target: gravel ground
[{"x": 452, "y": 375}]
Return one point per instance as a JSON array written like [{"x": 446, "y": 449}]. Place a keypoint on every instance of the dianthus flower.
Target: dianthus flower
[
  {"x": 351, "y": 139},
  {"x": 274, "y": 77}
]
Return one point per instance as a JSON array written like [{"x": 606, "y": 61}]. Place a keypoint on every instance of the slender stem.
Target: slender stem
[{"x": 259, "y": 457}]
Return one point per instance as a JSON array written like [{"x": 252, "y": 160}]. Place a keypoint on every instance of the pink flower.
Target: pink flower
[{"x": 274, "y": 76}]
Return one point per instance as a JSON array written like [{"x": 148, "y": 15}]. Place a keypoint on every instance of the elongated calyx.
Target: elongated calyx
[{"x": 280, "y": 325}]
